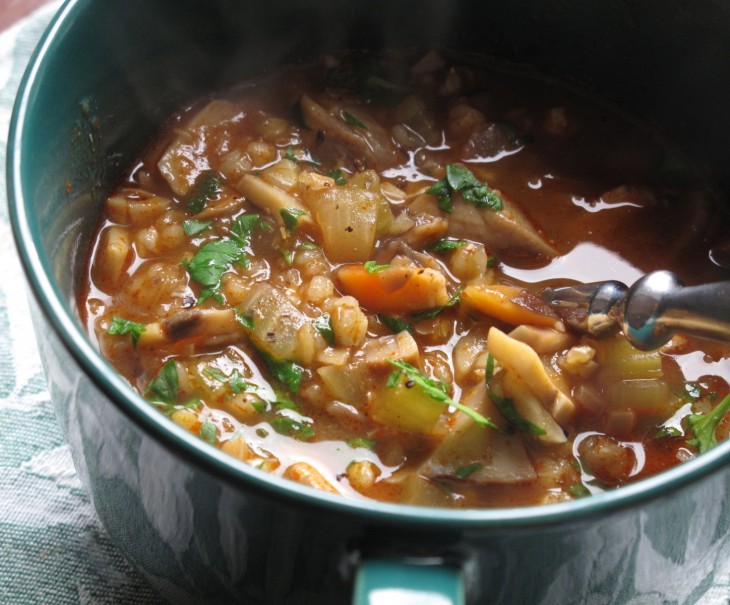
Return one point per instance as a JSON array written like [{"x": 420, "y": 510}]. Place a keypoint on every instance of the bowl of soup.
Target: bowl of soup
[{"x": 287, "y": 265}]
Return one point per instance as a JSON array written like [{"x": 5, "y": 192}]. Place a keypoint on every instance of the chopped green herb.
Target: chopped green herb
[
  {"x": 285, "y": 425},
  {"x": 290, "y": 155},
  {"x": 309, "y": 246},
  {"x": 287, "y": 255},
  {"x": 290, "y": 216},
  {"x": 215, "y": 374},
  {"x": 578, "y": 490},
  {"x": 506, "y": 406},
  {"x": 431, "y": 313},
  {"x": 245, "y": 320},
  {"x": 338, "y": 175},
  {"x": 260, "y": 407},
  {"x": 212, "y": 260},
  {"x": 243, "y": 226},
  {"x": 192, "y": 227},
  {"x": 395, "y": 324},
  {"x": 460, "y": 179},
  {"x": 208, "y": 432},
  {"x": 206, "y": 187},
  {"x": 372, "y": 267},
  {"x": 353, "y": 121},
  {"x": 238, "y": 383},
  {"x": 705, "y": 425},
  {"x": 361, "y": 442},
  {"x": 447, "y": 244},
  {"x": 438, "y": 391},
  {"x": 323, "y": 323},
  {"x": 667, "y": 431},
  {"x": 492, "y": 261},
  {"x": 121, "y": 326},
  {"x": 393, "y": 379},
  {"x": 284, "y": 371},
  {"x": 465, "y": 471},
  {"x": 163, "y": 387}
]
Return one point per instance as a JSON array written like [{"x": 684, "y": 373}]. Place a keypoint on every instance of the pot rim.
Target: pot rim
[{"x": 234, "y": 472}]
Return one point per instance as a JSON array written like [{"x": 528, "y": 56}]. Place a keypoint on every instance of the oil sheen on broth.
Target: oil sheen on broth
[{"x": 333, "y": 273}]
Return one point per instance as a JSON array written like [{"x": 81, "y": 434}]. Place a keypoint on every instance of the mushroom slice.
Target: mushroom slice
[
  {"x": 494, "y": 457},
  {"x": 507, "y": 233},
  {"x": 200, "y": 326},
  {"x": 526, "y": 369},
  {"x": 274, "y": 200}
]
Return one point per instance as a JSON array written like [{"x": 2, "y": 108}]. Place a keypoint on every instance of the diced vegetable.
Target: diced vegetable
[
  {"x": 512, "y": 305},
  {"x": 395, "y": 289}
]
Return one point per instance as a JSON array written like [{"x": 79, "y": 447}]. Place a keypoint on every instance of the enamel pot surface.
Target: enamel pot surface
[{"x": 204, "y": 527}]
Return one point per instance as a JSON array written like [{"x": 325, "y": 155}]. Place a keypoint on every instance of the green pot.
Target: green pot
[{"x": 204, "y": 527}]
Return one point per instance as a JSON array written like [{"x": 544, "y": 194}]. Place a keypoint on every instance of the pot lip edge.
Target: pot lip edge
[{"x": 183, "y": 445}]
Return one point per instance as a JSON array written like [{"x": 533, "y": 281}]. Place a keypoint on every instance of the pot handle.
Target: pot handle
[{"x": 384, "y": 581}]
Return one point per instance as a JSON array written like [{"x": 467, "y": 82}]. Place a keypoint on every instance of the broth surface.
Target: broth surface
[{"x": 333, "y": 273}]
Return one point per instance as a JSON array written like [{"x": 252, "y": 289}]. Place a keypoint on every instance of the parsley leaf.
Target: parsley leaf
[
  {"x": 361, "y": 442},
  {"x": 212, "y": 260},
  {"x": 206, "y": 187},
  {"x": 438, "y": 391},
  {"x": 245, "y": 320},
  {"x": 578, "y": 490},
  {"x": 192, "y": 227},
  {"x": 447, "y": 244},
  {"x": 215, "y": 374},
  {"x": 290, "y": 216},
  {"x": 208, "y": 432},
  {"x": 291, "y": 427},
  {"x": 705, "y": 425},
  {"x": 395, "y": 324},
  {"x": 243, "y": 226},
  {"x": 163, "y": 387},
  {"x": 284, "y": 371},
  {"x": 238, "y": 383},
  {"x": 461, "y": 179},
  {"x": 353, "y": 121},
  {"x": 507, "y": 407},
  {"x": 372, "y": 267},
  {"x": 323, "y": 323},
  {"x": 121, "y": 326},
  {"x": 338, "y": 175},
  {"x": 431, "y": 313},
  {"x": 290, "y": 155},
  {"x": 465, "y": 471}
]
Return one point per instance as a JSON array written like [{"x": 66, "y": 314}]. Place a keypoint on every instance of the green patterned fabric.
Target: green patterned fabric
[{"x": 53, "y": 549}]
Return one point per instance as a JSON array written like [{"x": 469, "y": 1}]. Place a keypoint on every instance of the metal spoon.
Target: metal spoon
[{"x": 649, "y": 312}]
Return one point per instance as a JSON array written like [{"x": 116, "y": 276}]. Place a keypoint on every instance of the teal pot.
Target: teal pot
[{"x": 204, "y": 527}]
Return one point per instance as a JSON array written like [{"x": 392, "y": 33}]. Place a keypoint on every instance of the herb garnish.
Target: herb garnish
[
  {"x": 163, "y": 387},
  {"x": 290, "y": 155},
  {"x": 353, "y": 121},
  {"x": 338, "y": 175},
  {"x": 705, "y": 425},
  {"x": 192, "y": 227},
  {"x": 206, "y": 187},
  {"x": 447, "y": 244},
  {"x": 372, "y": 267},
  {"x": 431, "y": 313},
  {"x": 395, "y": 324},
  {"x": 465, "y": 471},
  {"x": 435, "y": 389},
  {"x": 460, "y": 179},
  {"x": 245, "y": 320},
  {"x": 323, "y": 323},
  {"x": 121, "y": 326},
  {"x": 208, "y": 432},
  {"x": 287, "y": 372},
  {"x": 361, "y": 442},
  {"x": 291, "y": 427},
  {"x": 290, "y": 216},
  {"x": 506, "y": 406}
]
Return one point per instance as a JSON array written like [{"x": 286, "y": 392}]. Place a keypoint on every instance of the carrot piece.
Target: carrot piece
[
  {"x": 395, "y": 289},
  {"x": 511, "y": 305}
]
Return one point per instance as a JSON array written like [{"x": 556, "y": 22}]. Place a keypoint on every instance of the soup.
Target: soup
[{"x": 333, "y": 273}]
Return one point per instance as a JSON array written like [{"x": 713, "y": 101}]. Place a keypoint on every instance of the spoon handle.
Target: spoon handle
[{"x": 658, "y": 305}]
